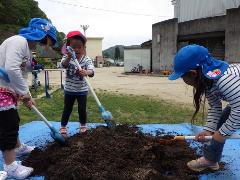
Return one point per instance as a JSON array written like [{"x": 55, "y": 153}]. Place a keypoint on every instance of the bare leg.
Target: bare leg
[
  {"x": 18, "y": 143},
  {"x": 9, "y": 156}
]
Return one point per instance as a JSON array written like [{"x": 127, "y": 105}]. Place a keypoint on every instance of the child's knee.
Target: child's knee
[{"x": 8, "y": 140}]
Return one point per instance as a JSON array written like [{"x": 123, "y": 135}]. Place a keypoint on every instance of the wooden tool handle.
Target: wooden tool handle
[{"x": 181, "y": 138}]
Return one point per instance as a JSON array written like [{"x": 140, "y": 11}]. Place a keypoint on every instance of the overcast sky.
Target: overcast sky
[{"x": 119, "y": 22}]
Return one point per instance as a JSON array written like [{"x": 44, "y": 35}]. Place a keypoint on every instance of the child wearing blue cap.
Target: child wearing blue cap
[
  {"x": 75, "y": 87},
  {"x": 15, "y": 62},
  {"x": 218, "y": 81}
]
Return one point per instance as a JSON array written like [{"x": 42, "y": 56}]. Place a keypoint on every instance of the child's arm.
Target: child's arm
[
  {"x": 90, "y": 67},
  {"x": 15, "y": 54},
  {"x": 214, "y": 112},
  {"x": 229, "y": 86},
  {"x": 65, "y": 60},
  {"x": 84, "y": 72}
]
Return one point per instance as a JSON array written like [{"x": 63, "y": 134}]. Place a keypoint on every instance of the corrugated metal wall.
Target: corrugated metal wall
[{"x": 186, "y": 10}]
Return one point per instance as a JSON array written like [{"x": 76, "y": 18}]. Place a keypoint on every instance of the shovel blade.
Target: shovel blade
[
  {"x": 58, "y": 137},
  {"x": 108, "y": 118}
]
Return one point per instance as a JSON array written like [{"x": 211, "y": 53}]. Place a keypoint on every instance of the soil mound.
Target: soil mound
[{"x": 121, "y": 153}]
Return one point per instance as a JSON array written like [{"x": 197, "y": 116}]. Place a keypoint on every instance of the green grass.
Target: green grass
[
  {"x": 129, "y": 109},
  {"x": 40, "y": 90}
]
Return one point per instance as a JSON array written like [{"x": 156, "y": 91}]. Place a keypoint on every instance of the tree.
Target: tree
[
  {"x": 117, "y": 53},
  {"x": 19, "y": 12},
  {"x": 15, "y": 14},
  {"x": 106, "y": 55},
  {"x": 58, "y": 46}
]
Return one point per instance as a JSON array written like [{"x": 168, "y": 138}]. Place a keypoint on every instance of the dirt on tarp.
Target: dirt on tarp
[{"x": 121, "y": 153}]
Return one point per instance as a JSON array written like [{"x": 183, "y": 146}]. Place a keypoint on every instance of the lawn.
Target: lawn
[{"x": 129, "y": 109}]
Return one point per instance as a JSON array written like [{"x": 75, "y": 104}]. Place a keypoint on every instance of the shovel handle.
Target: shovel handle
[
  {"x": 42, "y": 117},
  {"x": 181, "y": 138}
]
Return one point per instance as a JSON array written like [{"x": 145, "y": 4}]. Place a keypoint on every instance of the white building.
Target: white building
[
  {"x": 135, "y": 57},
  {"x": 94, "y": 47}
]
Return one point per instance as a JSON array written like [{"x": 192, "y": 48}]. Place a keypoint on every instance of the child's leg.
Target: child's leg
[
  {"x": 82, "y": 109},
  {"x": 9, "y": 156},
  {"x": 212, "y": 151},
  {"x": 9, "y": 127},
  {"x": 22, "y": 149},
  {"x": 68, "y": 106},
  {"x": 18, "y": 143}
]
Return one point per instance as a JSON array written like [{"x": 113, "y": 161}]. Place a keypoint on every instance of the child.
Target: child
[
  {"x": 36, "y": 68},
  {"x": 218, "y": 81},
  {"x": 75, "y": 85},
  {"x": 15, "y": 59}
]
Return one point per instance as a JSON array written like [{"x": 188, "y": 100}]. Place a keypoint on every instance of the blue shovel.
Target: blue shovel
[
  {"x": 106, "y": 115},
  {"x": 54, "y": 133}
]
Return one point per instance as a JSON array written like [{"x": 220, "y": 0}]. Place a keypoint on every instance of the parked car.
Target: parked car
[
  {"x": 120, "y": 63},
  {"x": 109, "y": 62}
]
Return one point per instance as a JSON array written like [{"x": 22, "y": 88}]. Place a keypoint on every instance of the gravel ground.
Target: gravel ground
[{"x": 114, "y": 80}]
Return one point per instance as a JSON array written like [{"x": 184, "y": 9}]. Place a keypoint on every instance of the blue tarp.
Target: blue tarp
[{"x": 37, "y": 133}]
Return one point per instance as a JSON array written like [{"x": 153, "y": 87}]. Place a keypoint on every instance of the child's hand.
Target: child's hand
[
  {"x": 218, "y": 137},
  {"x": 201, "y": 136},
  {"x": 69, "y": 56},
  {"x": 83, "y": 72},
  {"x": 27, "y": 100}
]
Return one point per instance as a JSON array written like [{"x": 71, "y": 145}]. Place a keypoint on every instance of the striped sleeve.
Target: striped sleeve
[
  {"x": 214, "y": 111},
  {"x": 229, "y": 87},
  {"x": 89, "y": 66}
]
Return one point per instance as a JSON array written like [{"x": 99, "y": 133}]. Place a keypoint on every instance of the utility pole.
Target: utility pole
[{"x": 84, "y": 27}]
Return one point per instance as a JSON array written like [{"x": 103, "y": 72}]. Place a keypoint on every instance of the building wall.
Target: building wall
[
  {"x": 220, "y": 34},
  {"x": 211, "y": 24},
  {"x": 232, "y": 35},
  {"x": 208, "y": 32},
  {"x": 133, "y": 57},
  {"x": 164, "y": 44},
  {"x": 186, "y": 10},
  {"x": 94, "y": 47}
]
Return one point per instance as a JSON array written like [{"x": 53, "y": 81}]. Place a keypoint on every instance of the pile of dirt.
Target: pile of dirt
[{"x": 120, "y": 153}]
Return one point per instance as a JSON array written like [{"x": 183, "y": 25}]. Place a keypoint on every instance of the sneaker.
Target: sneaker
[
  {"x": 24, "y": 150},
  {"x": 17, "y": 171},
  {"x": 201, "y": 164},
  {"x": 83, "y": 128},
  {"x": 3, "y": 175},
  {"x": 63, "y": 131}
]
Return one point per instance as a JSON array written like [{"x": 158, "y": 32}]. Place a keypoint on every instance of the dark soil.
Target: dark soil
[{"x": 120, "y": 153}]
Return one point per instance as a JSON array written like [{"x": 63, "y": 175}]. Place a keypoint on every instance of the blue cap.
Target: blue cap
[
  {"x": 37, "y": 29},
  {"x": 192, "y": 56}
]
